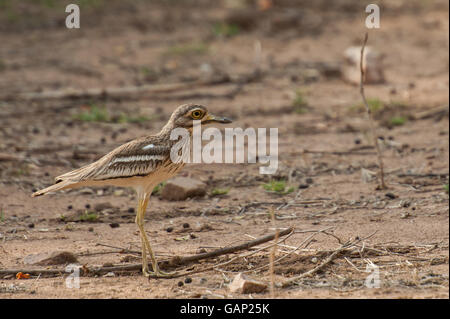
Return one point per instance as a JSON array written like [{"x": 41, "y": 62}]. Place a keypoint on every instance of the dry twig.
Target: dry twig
[
  {"x": 382, "y": 185},
  {"x": 175, "y": 261}
]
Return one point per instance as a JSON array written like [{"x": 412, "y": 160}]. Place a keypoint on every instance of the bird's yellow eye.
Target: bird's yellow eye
[{"x": 197, "y": 114}]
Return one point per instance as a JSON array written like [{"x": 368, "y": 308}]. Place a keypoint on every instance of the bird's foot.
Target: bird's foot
[
  {"x": 162, "y": 274},
  {"x": 158, "y": 273}
]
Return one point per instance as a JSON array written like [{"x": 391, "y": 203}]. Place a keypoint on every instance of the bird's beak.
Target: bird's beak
[{"x": 213, "y": 118}]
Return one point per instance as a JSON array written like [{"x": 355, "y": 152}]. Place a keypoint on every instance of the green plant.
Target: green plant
[
  {"x": 2, "y": 215},
  {"x": 188, "y": 49},
  {"x": 158, "y": 188},
  {"x": 225, "y": 29},
  {"x": 398, "y": 120},
  {"x": 300, "y": 104},
  {"x": 124, "y": 118},
  {"x": 88, "y": 217},
  {"x": 375, "y": 106},
  {"x": 446, "y": 188},
  {"x": 219, "y": 191},
  {"x": 278, "y": 187},
  {"x": 94, "y": 114}
]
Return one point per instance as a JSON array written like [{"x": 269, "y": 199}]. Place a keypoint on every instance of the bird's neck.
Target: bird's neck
[{"x": 169, "y": 127}]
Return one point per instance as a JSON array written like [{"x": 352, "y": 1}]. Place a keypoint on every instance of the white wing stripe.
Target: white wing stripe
[
  {"x": 146, "y": 147},
  {"x": 137, "y": 158}
]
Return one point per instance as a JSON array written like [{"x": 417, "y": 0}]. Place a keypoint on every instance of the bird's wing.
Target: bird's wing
[{"x": 136, "y": 158}]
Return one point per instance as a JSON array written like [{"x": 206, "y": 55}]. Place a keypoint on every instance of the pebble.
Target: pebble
[
  {"x": 181, "y": 188},
  {"x": 110, "y": 274},
  {"x": 114, "y": 225},
  {"x": 246, "y": 285},
  {"x": 390, "y": 195}
]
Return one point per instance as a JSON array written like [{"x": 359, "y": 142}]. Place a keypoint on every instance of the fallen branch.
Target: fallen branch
[
  {"x": 119, "y": 92},
  {"x": 175, "y": 261},
  {"x": 161, "y": 91}
]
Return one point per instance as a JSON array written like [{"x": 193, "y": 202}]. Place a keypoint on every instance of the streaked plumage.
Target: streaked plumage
[{"x": 142, "y": 164}]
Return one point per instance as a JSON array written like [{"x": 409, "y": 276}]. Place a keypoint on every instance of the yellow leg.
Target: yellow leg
[{"x": 142, "y": 206}]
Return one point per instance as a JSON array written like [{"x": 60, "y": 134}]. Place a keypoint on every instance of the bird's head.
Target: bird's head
[{"x": 185, "y": 115}]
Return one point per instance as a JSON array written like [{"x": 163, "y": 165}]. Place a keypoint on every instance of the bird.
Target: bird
[{"x": 142, "y": 164}]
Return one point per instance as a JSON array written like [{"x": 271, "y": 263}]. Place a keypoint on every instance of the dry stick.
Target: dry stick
[
  {"x": 306, "y": 241},
  {"x": 117, "y": 91},
  {"x": 336, "y": 253},
  {"x": 250, "y": 253},
  {"x": 369, "y": 113},
  {"x": 227, "y": 250},
  {"x": 136, "y": 267},
  {"x": 272, "y": 257},
  {"x": 330, "y": 258},
  {"x": 133, "y": 92}
]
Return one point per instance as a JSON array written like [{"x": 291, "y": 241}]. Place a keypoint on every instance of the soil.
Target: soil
[{"x": 324, "y": 145}]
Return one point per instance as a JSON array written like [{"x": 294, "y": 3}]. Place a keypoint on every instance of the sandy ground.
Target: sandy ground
[{"x": 323, "y": 147}]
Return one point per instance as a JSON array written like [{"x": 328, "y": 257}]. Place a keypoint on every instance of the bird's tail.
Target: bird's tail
[
  {"x": 71, "y": 179},
  {"x": 55, "y": 187}
]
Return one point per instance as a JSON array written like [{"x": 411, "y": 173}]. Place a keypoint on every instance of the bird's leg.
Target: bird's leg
[
  {"x": 142, "y": 206},
  {"x": 140, "y": 223}
]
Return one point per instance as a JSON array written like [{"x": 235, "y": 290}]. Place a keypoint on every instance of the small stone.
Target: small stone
[
  {"x": 188, "y": 280},
  {"x": 186, "y": 225},
  {"x": 390, "y": 195},
  {"x": 169, "y": 229},
  {"x": 31, "y": 225},
  {"x": 69, "y": 207},
  {"x": 102, "y": 206},
  {"x": 245, "y": 285},
  {"x": 405, "y": 215},
  {"x": 180, "y": 284},
  {"x": 87, "y": 206},
  {"x": 303, "y": 186},
  {"x": 131, "y": 210},
  {"x": 309, "y": 180},
  {"x": 91, "y": 229},
  {"x": 180, "y": 188},
  {"x": 110, "y": 274},
  {"x": 50, "y": 258},
  {"x": 114, "y": 225},
  {"x": 118, "y": 192}
]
